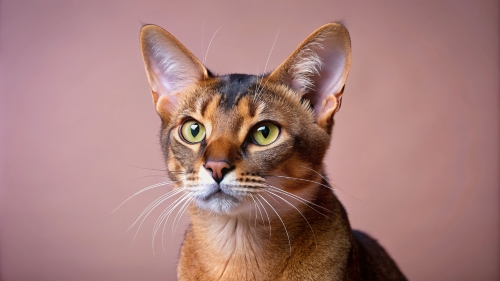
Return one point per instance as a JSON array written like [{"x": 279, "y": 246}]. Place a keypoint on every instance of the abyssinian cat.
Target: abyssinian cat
[{"x": 246, "y": 153}]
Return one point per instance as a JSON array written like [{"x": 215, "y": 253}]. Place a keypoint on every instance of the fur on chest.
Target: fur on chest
[{"x": 230, "y": 249}]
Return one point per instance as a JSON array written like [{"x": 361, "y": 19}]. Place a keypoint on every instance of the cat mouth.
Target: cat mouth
[{"x": 219, "y": 194}]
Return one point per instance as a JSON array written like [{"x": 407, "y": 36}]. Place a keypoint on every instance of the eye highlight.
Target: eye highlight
[
  {"x": 192, "y": 131},
  {"x": 265, "y": 133}
]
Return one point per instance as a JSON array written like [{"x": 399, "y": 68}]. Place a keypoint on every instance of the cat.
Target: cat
[{"x": 246, "y": 153}]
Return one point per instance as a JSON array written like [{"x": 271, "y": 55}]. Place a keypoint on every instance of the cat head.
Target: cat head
[{"x": 229, "y": 139}]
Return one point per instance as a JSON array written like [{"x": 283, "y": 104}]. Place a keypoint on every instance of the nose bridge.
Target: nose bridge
[{"x": 222, "y": 149}]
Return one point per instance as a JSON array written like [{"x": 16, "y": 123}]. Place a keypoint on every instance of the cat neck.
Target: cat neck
[
  {"x": 229, "y": 245},
  {"x": 268, "y": 221},
  {"x": 227, "y": 236}
]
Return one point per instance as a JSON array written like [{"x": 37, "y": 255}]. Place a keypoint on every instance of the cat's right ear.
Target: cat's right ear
[{"x": 171, "y": 68}]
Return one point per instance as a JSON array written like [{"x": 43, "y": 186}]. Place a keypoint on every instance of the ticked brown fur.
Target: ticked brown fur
[{"x": 272, "y": 214}]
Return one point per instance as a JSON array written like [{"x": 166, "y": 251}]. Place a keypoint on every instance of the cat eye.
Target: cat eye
[
  {"x": 192, "y": 131},
  {"x": 265, "y": 133}
]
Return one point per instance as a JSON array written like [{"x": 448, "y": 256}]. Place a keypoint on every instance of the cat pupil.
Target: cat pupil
[
  {"x": 195, "y": 129},
  {"x": 264, "y": 130}
]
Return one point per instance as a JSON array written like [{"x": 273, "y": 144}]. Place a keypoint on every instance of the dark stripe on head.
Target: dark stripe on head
[{"x": 234, "y": 87}]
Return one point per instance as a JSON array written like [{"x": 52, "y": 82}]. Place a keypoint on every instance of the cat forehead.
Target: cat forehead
[
  {"x": 227, "y": 94},
  {"x": 241, "y": 95},
  {"x": 234, "y": 87}
]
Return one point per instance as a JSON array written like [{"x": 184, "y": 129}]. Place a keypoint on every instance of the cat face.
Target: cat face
[{"x": 228, "y": 139}]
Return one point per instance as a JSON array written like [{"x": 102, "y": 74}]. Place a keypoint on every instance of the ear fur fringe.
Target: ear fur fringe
[{"x": 306, "y": 64}]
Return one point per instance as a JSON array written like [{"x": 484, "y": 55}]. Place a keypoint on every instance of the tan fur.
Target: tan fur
[{"x": 274, "y": 215}]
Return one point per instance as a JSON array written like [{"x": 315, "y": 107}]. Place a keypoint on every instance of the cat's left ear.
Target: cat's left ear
[
  {"x": 318, "y": 70},
  {"x": 170, "y": 66}
]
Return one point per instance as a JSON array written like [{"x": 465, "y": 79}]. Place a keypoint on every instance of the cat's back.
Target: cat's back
[{"x": 374, "y": 263}]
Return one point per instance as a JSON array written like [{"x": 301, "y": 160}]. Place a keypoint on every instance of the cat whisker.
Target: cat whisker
[
  {"x": 165, "y": 224},
  {"x": 148, "y": 176},
  {"x": 182, "y": 210},
  {"x": 265, "y": 67},
  {"x": 256, "y": 84},
  {"x": 150, "y": 208},
  {"x": 299, "y": 179},
  {"x": 158, "y": 200},
  {"x": 144, "y": 189},
  {"x": 306, "y": 202},
  {"x": 330, "y": 183},
  {"x": 208, "y": 48},
  {"x": 257, "y": 208},
  {"x": 286, "y": 201},
  {"x": 165, "y": 214},
  {"x": 279, "y": 203},
  {"x": 267, "y": 215},
  {"x": 282, "y": 222},
  {"x": 296, "y": 197},
  {"x": 163, "y": 218},
  {"x": 203, "y": 50},
  {"x": 254, "y": 210}
]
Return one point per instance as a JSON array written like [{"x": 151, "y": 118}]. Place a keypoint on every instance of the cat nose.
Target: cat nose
[{"x": 218, "y": 168}]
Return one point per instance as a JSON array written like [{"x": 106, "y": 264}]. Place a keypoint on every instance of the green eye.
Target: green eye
[
  {"x": 192, "y": 131},
  {"x": 265, "y": 133}
]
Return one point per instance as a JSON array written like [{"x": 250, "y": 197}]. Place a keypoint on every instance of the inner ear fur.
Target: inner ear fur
[
  {"x": 318, "y": 70},
  {"x": 171, "y": 68}
]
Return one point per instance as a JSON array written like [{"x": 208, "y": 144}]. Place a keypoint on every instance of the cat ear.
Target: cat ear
[
  {"x": 171, "y": 68},
  {"x": 318, "y": 69}
]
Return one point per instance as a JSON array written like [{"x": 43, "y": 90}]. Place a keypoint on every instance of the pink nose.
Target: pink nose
[{"x": 218, "y": 168}]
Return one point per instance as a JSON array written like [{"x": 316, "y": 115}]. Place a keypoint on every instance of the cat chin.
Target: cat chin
[{"x": 223, "y": 204}]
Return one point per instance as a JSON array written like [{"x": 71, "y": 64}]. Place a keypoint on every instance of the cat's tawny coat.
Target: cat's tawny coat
[{"x": 247, "y": 154}]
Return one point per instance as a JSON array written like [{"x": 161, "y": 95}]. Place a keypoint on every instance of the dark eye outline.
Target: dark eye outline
[
  {"x": 260, "y": 124},
  {"x": 182, "y": 126}
]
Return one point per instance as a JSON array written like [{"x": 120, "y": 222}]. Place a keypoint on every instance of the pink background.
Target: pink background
[{"x": 416, "y": 141}]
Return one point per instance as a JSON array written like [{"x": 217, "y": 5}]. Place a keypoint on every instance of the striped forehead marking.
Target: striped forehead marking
[
  {"x": 229, "y": 91},
  {"x": 234, "y": 87}
]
